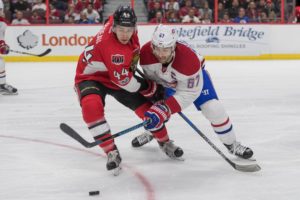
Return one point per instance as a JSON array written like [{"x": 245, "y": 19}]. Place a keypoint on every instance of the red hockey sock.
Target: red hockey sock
[
  {"x": 93, "y": 115},
  {"x": 161, "y": 135}
]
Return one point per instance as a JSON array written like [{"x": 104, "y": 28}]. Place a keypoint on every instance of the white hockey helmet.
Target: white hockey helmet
[
  {"x": 164, "y": 36},
  {"x": 1, "y": 5},
  {"x": 1, "y": 9}
]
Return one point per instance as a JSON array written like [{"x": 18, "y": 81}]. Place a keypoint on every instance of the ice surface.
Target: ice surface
[{"x": 39, "y": 162}]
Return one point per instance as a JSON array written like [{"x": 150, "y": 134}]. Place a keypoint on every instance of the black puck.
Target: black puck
[{"x": 93, "y": 193}]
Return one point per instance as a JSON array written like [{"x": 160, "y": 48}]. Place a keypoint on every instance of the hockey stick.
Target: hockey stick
[
  {"x": 73, "y": 134},
  {"x": 31, "y": 54},
  {"x": 243, "y": 168}
]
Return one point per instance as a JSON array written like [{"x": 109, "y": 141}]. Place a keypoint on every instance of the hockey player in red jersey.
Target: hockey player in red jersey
[
  {"x": 5, "y": 89},
  {"x": 182, "y": 72},
  {"x": 106, "y": 68}
]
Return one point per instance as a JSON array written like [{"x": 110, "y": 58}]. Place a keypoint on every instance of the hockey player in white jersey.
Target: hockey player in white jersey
[
  {"x": 5, "y": 89},
  {"x": 181, "y": 71}
]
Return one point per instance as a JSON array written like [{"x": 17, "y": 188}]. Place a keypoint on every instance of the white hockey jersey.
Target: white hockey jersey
[
  {"x": 3, "y": 27},
  {"x": 183, "y": 74}
]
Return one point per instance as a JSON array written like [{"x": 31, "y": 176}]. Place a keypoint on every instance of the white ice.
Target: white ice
[{"x": 39, "y": 162}]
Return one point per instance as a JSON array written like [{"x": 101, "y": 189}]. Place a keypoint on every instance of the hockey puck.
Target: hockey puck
[{"x": 94, "y": 193}]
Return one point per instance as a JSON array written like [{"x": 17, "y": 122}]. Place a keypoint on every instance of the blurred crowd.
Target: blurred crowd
[
  {"x": 227, "y": 11},
  {"x": 60, "y": 11},
  {"x": 159, "y": 11}
]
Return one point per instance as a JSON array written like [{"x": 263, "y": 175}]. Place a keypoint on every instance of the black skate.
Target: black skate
[
  {"x": 6, "y": 89},
  {"x": 239, "y": 150},
  {"x": 142, "y": 139},
  {"x": 113, "y": 161},
  {"x": 171, "y": 149}
]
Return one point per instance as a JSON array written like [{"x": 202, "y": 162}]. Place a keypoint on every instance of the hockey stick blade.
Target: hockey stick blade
[
  {"x": 31, "y": 54},
  {"x": 73, "y": 134},
  {"x": 243, "y": 168},
  {"x": 45, "y": 53},
  {"x": 247, "y": 168}
]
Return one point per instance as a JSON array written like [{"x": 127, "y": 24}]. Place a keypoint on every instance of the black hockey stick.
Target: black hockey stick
[
  {"x": 73, "y": 134},
  {"x": 31, "y": 54},
  {"x": 243, "y": 168}
]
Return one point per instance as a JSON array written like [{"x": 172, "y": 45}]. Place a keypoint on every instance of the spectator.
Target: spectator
[
  {"x": 158, "y": 19},
  {"x": 156, "y": 7},
  {"x": 54, "y": 13},
  {"x": 297, "y": 13},
  {"x": 71, "y": 13},
  {"x": 172, "y": 17},
  {"x": 35, "y": 17},
  {"x": 263, "y": 18},
  {"x": 184, "y": 11},
  {"x": 20, "y": 20},
  {"x": 20, "y": 5},
  {"x": 59, "y": 4},
  {"x": 84, "y": 19},
  {"x": 233, "y": 10},
  {"x": 206, "y": 18},
  {"x": 70, "y": 20},
  {"x": 198, "y": 3},
  {"x": 190, "y": 17},
  {"x": 221, "y": 11},
  {"x": 226, "y": 19},
  {"x": 252, "y": 12},
  {"x": 205, "y": 10},
  {"x": 170, "y": 9},
  {"x": 290, "y": 15},
  {"x": 272, "y": 17},
  {"x": 91, "y": 13},
  {"x": 80, "y": 5},
  {"x": 241, "y": 18},
  {"x": 172, "y": 3},
  {"x": 150, "y": 4},
  {"x": 261, "y": 7},
  {"x": 39, "y": 5}
]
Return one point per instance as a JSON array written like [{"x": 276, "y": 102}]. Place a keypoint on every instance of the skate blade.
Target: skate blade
[
  {"x": 8, "y": 94},
  {"x": 178, "y": 158},
  {"x": 117, "y": 171}
]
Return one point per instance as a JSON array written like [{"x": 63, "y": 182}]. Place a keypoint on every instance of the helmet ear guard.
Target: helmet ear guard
[
  {"x": 125, "y": 16},
  {"x": 164, "y": 37}
]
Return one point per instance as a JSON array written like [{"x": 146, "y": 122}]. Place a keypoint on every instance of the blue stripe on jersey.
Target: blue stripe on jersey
[{"x": 223, "y": 132}]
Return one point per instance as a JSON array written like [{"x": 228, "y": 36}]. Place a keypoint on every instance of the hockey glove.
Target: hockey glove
[
  {"x": 4, "y": 48},
  {"x": 150, "y": 90},
  {"x": 156, "y": 116}
]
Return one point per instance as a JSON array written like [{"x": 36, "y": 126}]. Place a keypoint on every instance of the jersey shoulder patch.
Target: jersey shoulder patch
[{"x": 186, "y": 60}]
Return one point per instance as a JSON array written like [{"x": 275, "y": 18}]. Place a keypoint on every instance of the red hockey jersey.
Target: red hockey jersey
[{"x": 108, "y": 61}]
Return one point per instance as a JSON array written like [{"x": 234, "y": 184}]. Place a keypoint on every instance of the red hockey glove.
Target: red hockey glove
[
  {"x": 150, "y": 90},
  {"x": 156, "y": 116},
  {"x": 4, "y": 48}
]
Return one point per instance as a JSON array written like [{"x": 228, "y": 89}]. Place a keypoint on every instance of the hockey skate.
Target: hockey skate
[
  {"x": 6, "y": 89},
  {"x": 142, "y": 139},
  {"x": 113, "y": 162},
  {"x": 171, "y": 150},
  {"x": 239, "y": 150}
]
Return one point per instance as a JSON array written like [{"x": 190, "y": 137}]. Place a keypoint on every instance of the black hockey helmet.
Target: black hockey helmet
[{"x": 125, "y": 16}]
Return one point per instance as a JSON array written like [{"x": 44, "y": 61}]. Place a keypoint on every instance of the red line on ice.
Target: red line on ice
[{"x": 147, "y": 185}]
